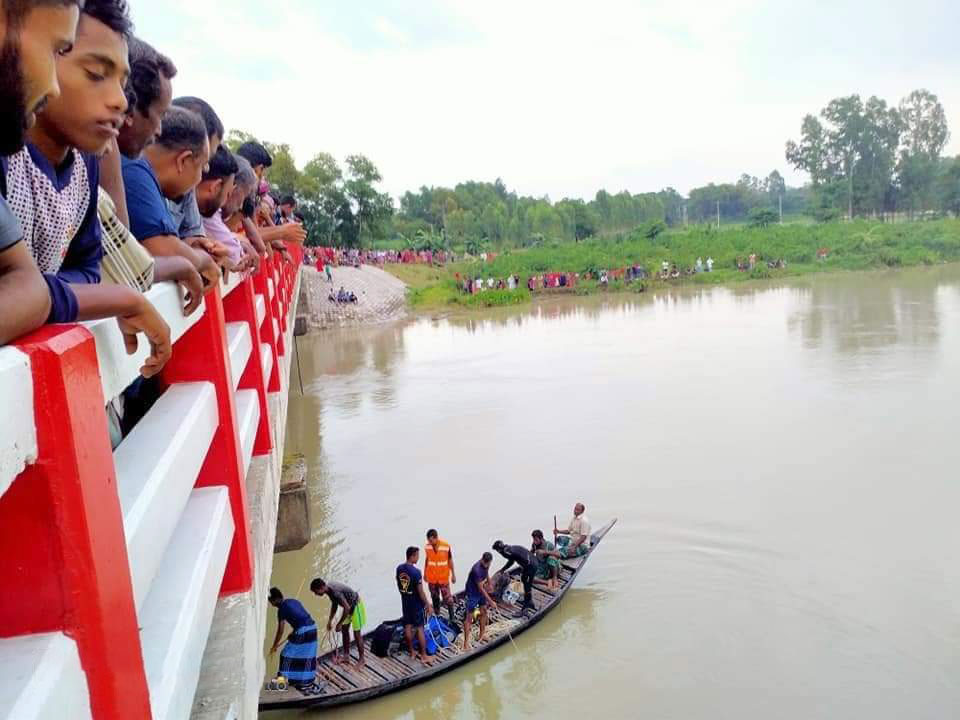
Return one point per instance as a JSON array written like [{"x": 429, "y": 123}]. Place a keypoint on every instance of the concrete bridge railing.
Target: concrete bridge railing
[{"x": 112, "y": 562}]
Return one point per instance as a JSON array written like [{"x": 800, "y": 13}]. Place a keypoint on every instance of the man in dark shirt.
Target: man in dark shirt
[
  {"x": 478, "y": 597},
  {"x": 169, "y": 168},
  {"x": 528, "y": 568},
  {"x": 353, "y": 613},
  {"x": 32, "y": 35},
  {"x": 298, "y": 659},
  {"x": 416, "y": 606}
]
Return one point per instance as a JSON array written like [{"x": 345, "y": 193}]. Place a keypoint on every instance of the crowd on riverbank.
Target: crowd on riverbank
[{"x": 353, "y": 257}]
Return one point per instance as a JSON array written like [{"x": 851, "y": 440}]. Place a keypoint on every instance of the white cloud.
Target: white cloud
[{"x": 558, "y": 98}]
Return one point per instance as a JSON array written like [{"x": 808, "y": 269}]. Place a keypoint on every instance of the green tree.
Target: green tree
[
  {"x": 925, "y": 134},
  {"x": 762, "y": 217}
]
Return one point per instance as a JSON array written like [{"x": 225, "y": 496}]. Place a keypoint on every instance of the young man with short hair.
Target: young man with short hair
[
  {"x": 285, "y": 213},
  {"x": 478, "y": 597},
  {"x": 439, "y": 572},
  {"x": 353, "y": 614},
  {"x": 416, "y": 606},
  {"x": 168, "y": 168},
  {"x": 151, "y": 79},
  {"x": 32, "y": 36},
  {"x": 186, "y": 213},
  {"x": 273, "y": 235},
  {"x": 52, "y": 184},
  {"x": 212, "y": 192},
  {"x": 232, "y": 218}
]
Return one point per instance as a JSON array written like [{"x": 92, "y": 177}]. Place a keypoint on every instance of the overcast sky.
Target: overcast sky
[{"x": 558, "y": 98}]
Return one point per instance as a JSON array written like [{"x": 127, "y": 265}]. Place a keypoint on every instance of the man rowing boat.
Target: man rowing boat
[
  {"x": 353, "y": 614},
  {"x": 575, "y": 540}
]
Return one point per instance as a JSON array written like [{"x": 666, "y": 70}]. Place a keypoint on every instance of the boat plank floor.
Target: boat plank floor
[
  {"x": 397, "y": 668},
  {"x": 380, "y": 667},
  {"x": 371, "y": 669},
  {"x": 368, "y": 676},
  {"x": 346, "y": 676},
  {"x": 333, "y": 680},
  {"x": 413, "y": 665}
]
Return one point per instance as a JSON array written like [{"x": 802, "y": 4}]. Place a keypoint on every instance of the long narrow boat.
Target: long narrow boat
[{"x": 342, "y": 685}]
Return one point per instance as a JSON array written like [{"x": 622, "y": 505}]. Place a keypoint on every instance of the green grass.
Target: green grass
[{"x": 860, "y": 245}]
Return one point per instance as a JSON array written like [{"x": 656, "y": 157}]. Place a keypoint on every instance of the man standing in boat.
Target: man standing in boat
[
  {"x": 439, "y": 572},
  {"x": 298, "y": 659},
  {"x": 416, "y": 606},
  {"x": 353, "y": 613},
  {"x": 528, "y": 568},
  {"x": 478, "y": 597},
  {"x": 575, "y": 540}
]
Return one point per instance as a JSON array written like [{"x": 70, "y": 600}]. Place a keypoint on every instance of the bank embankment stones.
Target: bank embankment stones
[{"x": 380, "y": 297}]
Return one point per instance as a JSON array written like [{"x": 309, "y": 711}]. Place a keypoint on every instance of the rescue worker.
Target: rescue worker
[
  {"x": 528, "y": 568},
  {"x": 439, "y": 573}
]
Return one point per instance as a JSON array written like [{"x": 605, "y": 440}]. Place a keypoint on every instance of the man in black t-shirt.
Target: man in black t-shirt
[
  {"x": 528, "y": 568},
  {"x": 33, "y": 35}
]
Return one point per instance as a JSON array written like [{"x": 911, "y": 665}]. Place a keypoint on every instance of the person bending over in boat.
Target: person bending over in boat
[
  {"x": 298, "y": 659},
  {"x": 528, "y": 568},
  {"x": 575, "y": 540},
  {"x": 478, "y": 597},
  {"x": 439, "y": 572},
  {"x": 416, "y": 606},
  {"x": 353, "y": 614},
  {"x": 548, "y": 566}
]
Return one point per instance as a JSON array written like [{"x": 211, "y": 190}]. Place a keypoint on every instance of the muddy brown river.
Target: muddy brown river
[{"x": 782, "y": 459}]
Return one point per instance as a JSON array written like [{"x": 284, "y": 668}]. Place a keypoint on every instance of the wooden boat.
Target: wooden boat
[{"x": 342, "y": 685}]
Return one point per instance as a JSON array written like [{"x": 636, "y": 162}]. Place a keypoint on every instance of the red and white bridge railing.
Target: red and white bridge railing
[{"x": 111, "y": 562}]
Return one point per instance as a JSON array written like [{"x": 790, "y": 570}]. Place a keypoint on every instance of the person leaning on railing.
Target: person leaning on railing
[
  {"x": 52, "y": 184},
  {"x": 32, "y": 36}
]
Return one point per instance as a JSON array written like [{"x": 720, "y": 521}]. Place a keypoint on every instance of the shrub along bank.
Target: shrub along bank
[{"x": 860, "y": 245}]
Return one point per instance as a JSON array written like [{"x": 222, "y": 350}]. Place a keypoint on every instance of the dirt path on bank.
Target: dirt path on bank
[{"x": 380, "y": 297}]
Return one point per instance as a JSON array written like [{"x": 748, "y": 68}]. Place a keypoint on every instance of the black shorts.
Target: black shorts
[{"x": 415, "y": 616}]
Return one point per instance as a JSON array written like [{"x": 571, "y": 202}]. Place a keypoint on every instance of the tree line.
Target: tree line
[
  {"x": 870, "y": 158},
  {"x": 863, "y": 158}
]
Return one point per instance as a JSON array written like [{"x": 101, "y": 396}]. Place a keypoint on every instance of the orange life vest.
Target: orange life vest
[{"x": 438, "y": 563}]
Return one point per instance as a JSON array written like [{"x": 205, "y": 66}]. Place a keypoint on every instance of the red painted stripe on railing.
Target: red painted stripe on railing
[
  {"x": 63, "y": 559},
  {"x": 240, "y": 306},
  {"x": 202, "y": 356}
]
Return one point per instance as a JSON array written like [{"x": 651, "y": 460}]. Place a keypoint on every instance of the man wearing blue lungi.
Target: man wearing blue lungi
[{"x": 298, "y": 659}]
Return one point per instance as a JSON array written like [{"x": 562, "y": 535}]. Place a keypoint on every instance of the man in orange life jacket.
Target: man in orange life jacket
[{"x": 439, "y": 573}]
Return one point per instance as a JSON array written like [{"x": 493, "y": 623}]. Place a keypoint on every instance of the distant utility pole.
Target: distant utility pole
[
  {"x": 781, "y": 208},
  {"x": 684, "y": 214},
  {"x": 718, "y": 214}
]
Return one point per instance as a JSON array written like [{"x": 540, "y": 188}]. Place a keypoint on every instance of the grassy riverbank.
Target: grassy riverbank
[{"x": 861, "y": 245}]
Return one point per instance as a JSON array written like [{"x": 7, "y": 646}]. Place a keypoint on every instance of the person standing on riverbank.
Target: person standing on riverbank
[
  {"x": 439, "y": 572},
  {"x": 353, "y": 614},
  {"x": 416, "y": 606}
]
